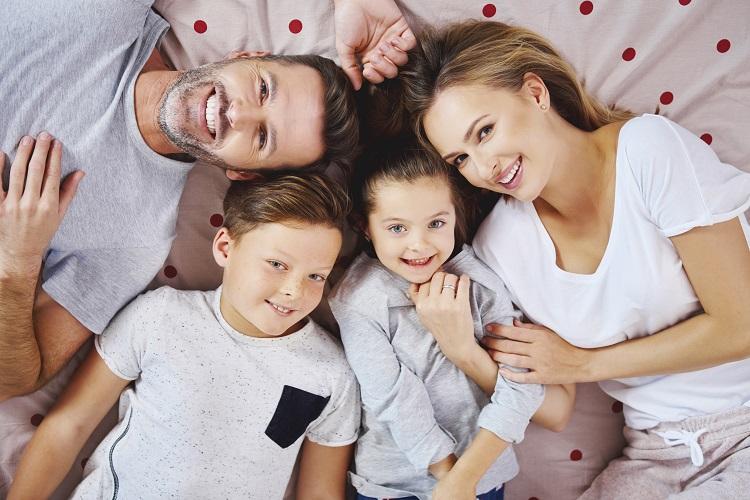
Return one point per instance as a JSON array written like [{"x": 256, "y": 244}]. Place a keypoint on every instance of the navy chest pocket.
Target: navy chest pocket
[{"x": 294, "y": 412}]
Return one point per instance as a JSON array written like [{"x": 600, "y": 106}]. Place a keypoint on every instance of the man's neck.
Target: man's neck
[{"x": 150, "y": 87}]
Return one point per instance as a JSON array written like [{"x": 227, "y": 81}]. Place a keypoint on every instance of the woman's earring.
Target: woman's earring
[{"x": 543, "y": 107}]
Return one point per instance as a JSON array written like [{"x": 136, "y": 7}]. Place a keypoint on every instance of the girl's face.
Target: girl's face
[
  {"x": 497, "y": 139},
  {"x": 412, "y": 226}
]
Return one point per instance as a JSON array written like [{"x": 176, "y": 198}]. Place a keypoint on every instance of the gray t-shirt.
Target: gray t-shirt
[
  {"x": 69, "y": 67},
  {"x": 418, "y": 407},
  {"x": 214, "y": 413}
]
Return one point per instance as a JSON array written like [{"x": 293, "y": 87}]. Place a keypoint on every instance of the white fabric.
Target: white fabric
[
  {"x": 687, "y": 438},
  {"x": 199, "y": 422},
  {"x": 667, "y": 181}
]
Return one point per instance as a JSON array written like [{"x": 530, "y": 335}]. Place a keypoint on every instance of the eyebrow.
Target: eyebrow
[
  {"x": 396, "y": 219},
  {"x": 467, "y": 135}
]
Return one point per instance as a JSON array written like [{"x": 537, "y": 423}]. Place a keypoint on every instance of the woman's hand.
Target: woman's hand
[
  {"x": 549, "y": 358},
  {"x": 443, "y": 308}
]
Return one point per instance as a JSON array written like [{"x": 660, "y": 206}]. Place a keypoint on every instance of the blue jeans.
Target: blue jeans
[{"x": 496, "y": 494}]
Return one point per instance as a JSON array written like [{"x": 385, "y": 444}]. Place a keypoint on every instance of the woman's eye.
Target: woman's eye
[
  {"x": 436, "y": 224},
  {"x": 263, "y": 90},
  {"x": 484, "y": 131},
  {"x": 397, "y": 228},
  {"x": 262, "y": 138},
  {"x": 458, "y": 160}
]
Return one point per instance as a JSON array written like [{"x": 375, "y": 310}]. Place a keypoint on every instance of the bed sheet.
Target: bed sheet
[{"x": 688, "y": 60}]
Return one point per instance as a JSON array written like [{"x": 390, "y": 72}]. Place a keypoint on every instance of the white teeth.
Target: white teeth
[
  {"x": 279, "y": 308},
  {"x": 512, "y": 173},
  {"x": 418, "y": 262},
  {"x": 211, "y": 113}
]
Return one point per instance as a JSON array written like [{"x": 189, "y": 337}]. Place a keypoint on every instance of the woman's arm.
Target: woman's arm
[
  {"x": 717, "y": 262},
  {"x": 322, "y": 471},
  {"x": 63, "y": 432}
]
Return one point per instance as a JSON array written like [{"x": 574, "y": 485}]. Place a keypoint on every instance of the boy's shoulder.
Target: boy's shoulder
[{"x": 323, "y": 349}]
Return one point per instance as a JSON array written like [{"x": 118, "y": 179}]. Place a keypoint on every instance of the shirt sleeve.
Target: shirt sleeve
[
  {"x": 682, "y": 181},
  {"x": 94, "y": 284},
  {"x": 122, "y": 345},
  {"x": 512, "y": 404},
  {"x": 339, "y": 423},
  {"x": 395, "y": 395}
]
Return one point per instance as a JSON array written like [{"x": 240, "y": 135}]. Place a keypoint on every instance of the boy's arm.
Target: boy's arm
[
  {"x": 322, "y": 471},
  {"x": 461, "y": 482},
  {"x": 557, "y": 407},
  {"x": 58, "y": 440}
]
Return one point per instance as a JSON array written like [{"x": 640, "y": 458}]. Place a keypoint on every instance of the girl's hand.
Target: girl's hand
[
  {"x": 35, "y": 203},
  {"x": 549, "y": 358},
  {"x": 453, "y": 487},
  {"x": 443, "y": 308}
]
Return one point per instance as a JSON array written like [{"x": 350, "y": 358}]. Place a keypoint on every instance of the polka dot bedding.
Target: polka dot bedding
[{"x": 686, "y": 59}]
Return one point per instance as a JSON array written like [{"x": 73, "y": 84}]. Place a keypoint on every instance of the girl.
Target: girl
[
  {"x": 229, "y": 384},
  {"x": 634, "y": 230},
  {"x": 408, "y": 323}
]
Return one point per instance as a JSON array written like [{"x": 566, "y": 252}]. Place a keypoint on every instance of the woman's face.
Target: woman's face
[{"x": 497, "y": 139}]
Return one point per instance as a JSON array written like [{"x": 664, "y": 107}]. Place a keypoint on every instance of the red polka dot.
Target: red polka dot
[
  {"x": 617, "y": 407},
  {"x": 684, "y": 2},
  {"x": 576, "y": 455},
  {"x": 533, "y": 498},
  {"x": 723, "y": 45},
  {"x": 200, "y": 26},
  {"x": 295, "y": 26},
  {"x": 170, "y": 272},
  {"x": 628, "y": 54},
  {"x": 217, "y": 220},
  {"x": 83, "y": 462},
  {"x": 586, "y": 8},
  {"x": 666, "y": 98},
  {"x": 707, "y": 138},
  {"x": 489, "y": 10},
  {"x": 36, "y": 419}
]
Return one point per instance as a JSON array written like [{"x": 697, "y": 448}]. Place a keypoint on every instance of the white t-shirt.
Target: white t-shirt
[
  {"x": 214, "y": 413},
  {"x": 667, "y": 182}
]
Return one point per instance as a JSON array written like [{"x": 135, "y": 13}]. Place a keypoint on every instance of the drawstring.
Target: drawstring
[{"x": 689, "y": 439}]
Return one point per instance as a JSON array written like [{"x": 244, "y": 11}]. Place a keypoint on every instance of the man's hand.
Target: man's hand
[
  {"x": 375, "y": 33},
  {"x": 443, "y": 308},
  {"x": 35, "y": 203}
]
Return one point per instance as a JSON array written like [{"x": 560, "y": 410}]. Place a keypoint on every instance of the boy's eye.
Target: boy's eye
[
  {"x": 458, "y": 160},
  {"x": 436, "y": 224},
  {"x": 317, "y": 277},
  {"x": 276, "y": 264},
  {"x": 484, "y": 131},
  {"x": 397, "y": 228}
]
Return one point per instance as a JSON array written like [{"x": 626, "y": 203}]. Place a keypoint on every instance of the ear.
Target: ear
[
  {"x": 243, "y": 175},
  {"x": 236, "y": 54},
  {"x": 534, "y": 87},
  {"x": 221, "y": 245}
]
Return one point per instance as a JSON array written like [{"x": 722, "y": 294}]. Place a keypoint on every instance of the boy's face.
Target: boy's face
[{"x": 274, "y": 275}]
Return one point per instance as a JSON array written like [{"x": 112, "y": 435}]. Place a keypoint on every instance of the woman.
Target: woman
[{"x": 624, "y": 236}]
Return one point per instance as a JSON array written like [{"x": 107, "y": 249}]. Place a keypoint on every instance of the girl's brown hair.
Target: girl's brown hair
[
  {"x": 496, "y": 55},
  {"x": 305, "y": 198},
  {"x": 402, "y": 160}
]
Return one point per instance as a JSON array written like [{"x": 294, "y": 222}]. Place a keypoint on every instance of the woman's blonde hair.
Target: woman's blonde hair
[{"x": 496, "y": 55}]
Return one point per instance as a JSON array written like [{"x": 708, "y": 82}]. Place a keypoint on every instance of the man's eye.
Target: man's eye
[
  {"x": 397, "y": 228},
  {"x": 484, "y": 131},
  {"x": 458, "y": 160},
  {"x": 263, "y": 90},
  {"x": 262, "y": 138},
  {"x": 317, "y": 277}
]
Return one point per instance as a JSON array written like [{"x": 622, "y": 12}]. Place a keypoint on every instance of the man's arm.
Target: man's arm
[
  {"x": 31, "y": 346},
  {"x": 322, "y": 471}
]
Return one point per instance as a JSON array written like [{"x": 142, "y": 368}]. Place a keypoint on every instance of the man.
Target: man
[{"x": 78, "y": 70}]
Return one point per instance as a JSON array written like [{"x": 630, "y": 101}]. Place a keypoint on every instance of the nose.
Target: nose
[
  {"x": 243, "y": 114},
  {"x": 486, "y": 165},
  {"x": 417, "y": 242},
  {"x": 292, "y": 287}
]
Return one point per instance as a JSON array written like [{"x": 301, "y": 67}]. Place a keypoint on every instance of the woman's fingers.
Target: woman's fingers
[
  {"x": 507, "y": 346},
  {"x": 512, "y": 332}
]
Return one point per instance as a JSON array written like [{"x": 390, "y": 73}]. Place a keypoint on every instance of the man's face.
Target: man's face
[{"x": 247, "y": 113}]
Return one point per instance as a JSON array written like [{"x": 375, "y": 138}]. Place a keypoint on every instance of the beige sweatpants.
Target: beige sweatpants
[{"x": 699, "y": 458}]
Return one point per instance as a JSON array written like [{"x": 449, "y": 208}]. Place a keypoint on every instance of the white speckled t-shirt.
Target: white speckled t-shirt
[{"x": 214, "y": 413}]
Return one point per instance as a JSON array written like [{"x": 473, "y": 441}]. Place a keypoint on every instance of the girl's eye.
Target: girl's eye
[
  {"x": 458, "y": 160},
  {"x": 262, "y": 138},
  {"x": 484, "y": 131},
  {"x": 276, "y": 264},
  {"x": 436, "y": 224},
  {"x": 397, "y": 228},
  {"x": 317, "y": 277},
  {"x": 263, "y": 90}
]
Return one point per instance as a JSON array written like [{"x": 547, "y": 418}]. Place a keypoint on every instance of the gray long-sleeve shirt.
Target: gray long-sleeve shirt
[{"x": 418, "y": 406}]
